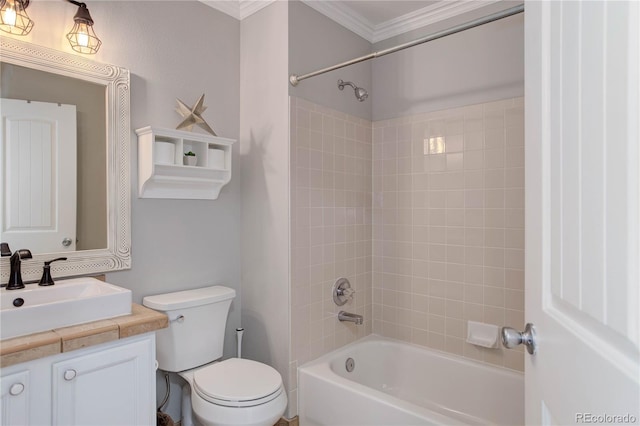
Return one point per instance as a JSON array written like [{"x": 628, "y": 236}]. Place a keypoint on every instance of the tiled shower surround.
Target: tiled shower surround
[
  {"x": 448, "y": 227},
  {"x": 331, "y": 154},
  {"x": 424, "y": 215}
]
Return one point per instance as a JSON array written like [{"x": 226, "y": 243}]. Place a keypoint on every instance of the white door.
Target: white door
[
  {"x": 582, "y": 218},
  {"x": 38, "y": 178}
]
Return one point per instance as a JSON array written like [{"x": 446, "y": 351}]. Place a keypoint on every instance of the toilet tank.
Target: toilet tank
[{"x": 197, "y": 322}]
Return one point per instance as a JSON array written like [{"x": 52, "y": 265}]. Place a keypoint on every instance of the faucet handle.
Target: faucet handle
[
  {"x": 47, "y": 279},
  {"x": 342, "y": 291},
  {"x": 5, "y": 250},
  {"x": 15, "y": 277},
  {"x": 23, "y": 253},
  {"x": 346, "y": 292}
]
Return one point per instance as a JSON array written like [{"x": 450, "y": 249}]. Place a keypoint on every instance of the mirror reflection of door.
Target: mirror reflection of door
[{"x": 38, "y": 160}]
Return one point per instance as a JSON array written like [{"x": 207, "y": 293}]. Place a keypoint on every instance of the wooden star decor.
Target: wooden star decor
[{"x": 193, "y": 115}]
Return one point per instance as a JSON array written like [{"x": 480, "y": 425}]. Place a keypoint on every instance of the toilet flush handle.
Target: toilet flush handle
[{"x": 178, "y": 319}]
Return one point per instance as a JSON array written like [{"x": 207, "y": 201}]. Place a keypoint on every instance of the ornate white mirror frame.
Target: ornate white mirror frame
[{"x": 117, "y": 255}]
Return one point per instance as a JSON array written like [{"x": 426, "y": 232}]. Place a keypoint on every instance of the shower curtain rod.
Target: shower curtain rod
[{"x": 295, "y": 79}]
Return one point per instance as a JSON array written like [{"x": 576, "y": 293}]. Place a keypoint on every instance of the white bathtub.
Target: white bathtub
[{"x": 395, "y": 383}]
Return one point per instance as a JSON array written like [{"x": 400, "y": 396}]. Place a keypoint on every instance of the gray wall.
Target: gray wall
[
  {"x": 173, "y": 50},
  {"x": 478, "y": 65},
  {"x": 179, "y": 244},
  {"x": 316, "y": 42},
  {"x": 264, "y": 149},
  {"x": 176, "y": 244}
]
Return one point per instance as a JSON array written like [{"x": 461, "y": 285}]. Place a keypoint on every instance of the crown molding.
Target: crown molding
[
  {"x": 345, "y": 16},
  {"x": 353, "y": 21},
  {"x": 426, "y": 16},
  {"x": 230, "y": 7},
  {"x": 249, "y": 7},
  {"x": 238, "y": 9}
]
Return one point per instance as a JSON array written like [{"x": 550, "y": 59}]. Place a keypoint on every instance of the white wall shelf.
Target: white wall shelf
[{"x": 169, "y": 178}]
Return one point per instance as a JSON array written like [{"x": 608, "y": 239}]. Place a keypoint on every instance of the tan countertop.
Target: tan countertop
[{"x": 67, "y": 339}]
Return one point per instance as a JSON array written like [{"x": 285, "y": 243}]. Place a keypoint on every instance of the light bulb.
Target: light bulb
[
  {"x": 9, "y": 17},
  {"x": 83, "y": 39}
]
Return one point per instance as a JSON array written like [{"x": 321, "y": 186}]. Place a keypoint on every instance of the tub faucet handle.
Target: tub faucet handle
[
  {"x": 347, "y": 292},
  {"x": 342, "y": 291}
]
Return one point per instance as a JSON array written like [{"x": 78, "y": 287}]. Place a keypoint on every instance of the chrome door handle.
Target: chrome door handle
[
  {"x": 66, "y": 242},
  {"x": 512, "y": 338}
]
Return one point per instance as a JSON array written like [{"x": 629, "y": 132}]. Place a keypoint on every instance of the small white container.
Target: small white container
[
  {"x": 190, "y": 160},
  {"x": 165, "y": 153},
  {"x": 216, "y": 159}
]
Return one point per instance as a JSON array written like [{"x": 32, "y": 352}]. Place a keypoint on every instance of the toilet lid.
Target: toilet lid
[{"x": 237, "y": 382}]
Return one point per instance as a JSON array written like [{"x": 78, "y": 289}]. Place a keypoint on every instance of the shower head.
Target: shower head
[{"x": 360, "y": 93}]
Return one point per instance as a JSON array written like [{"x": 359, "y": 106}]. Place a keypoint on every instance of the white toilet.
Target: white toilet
[{"x": 230, "y": 392}]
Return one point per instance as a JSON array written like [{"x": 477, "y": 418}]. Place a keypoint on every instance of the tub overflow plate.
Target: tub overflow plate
[{"x": 350, "y": 364}]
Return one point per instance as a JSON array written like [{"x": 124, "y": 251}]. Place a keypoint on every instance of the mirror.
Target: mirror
[
  {"x": 36, "y": 106},
  {"x": 97, "y": 97}
]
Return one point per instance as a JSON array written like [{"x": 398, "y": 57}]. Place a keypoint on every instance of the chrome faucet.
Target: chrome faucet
[
  {"x": 346, "y": 316},
  {"x": 15, "y": 277}
]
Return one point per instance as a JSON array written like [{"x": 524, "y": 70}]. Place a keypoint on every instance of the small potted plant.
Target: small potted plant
[{"x": 190, "y": 159}]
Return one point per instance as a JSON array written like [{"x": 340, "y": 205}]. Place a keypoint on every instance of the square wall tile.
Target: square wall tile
[{"x": 463, "y": 213}]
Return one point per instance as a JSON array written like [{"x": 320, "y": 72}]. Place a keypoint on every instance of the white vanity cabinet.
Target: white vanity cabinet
[
  {"x": 107, "y": 384},
  {"x": 15, "y": 389}
]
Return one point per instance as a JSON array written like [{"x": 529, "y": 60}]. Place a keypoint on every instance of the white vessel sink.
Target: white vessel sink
[{"x": 68, "y": 302}]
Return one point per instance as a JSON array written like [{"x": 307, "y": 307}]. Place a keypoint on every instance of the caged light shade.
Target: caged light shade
[
  {"x": 82, "y": 37},
  {"x": 14, "y": 18}
]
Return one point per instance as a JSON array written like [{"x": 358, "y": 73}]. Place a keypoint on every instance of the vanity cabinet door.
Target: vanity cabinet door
[
  {"x": 115, "y": 386},
  {"x": 14, "y": 409}
]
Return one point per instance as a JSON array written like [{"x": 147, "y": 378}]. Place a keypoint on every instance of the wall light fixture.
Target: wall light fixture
[
  {"x": 14, "y": 18},
  {"x": 82, "y": 37}
]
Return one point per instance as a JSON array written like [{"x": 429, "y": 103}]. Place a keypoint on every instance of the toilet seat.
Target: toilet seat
[{"x": 237, "y": 382}]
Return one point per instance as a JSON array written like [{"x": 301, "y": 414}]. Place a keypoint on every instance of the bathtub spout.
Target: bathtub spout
[{"x": 346, "y": 316}]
